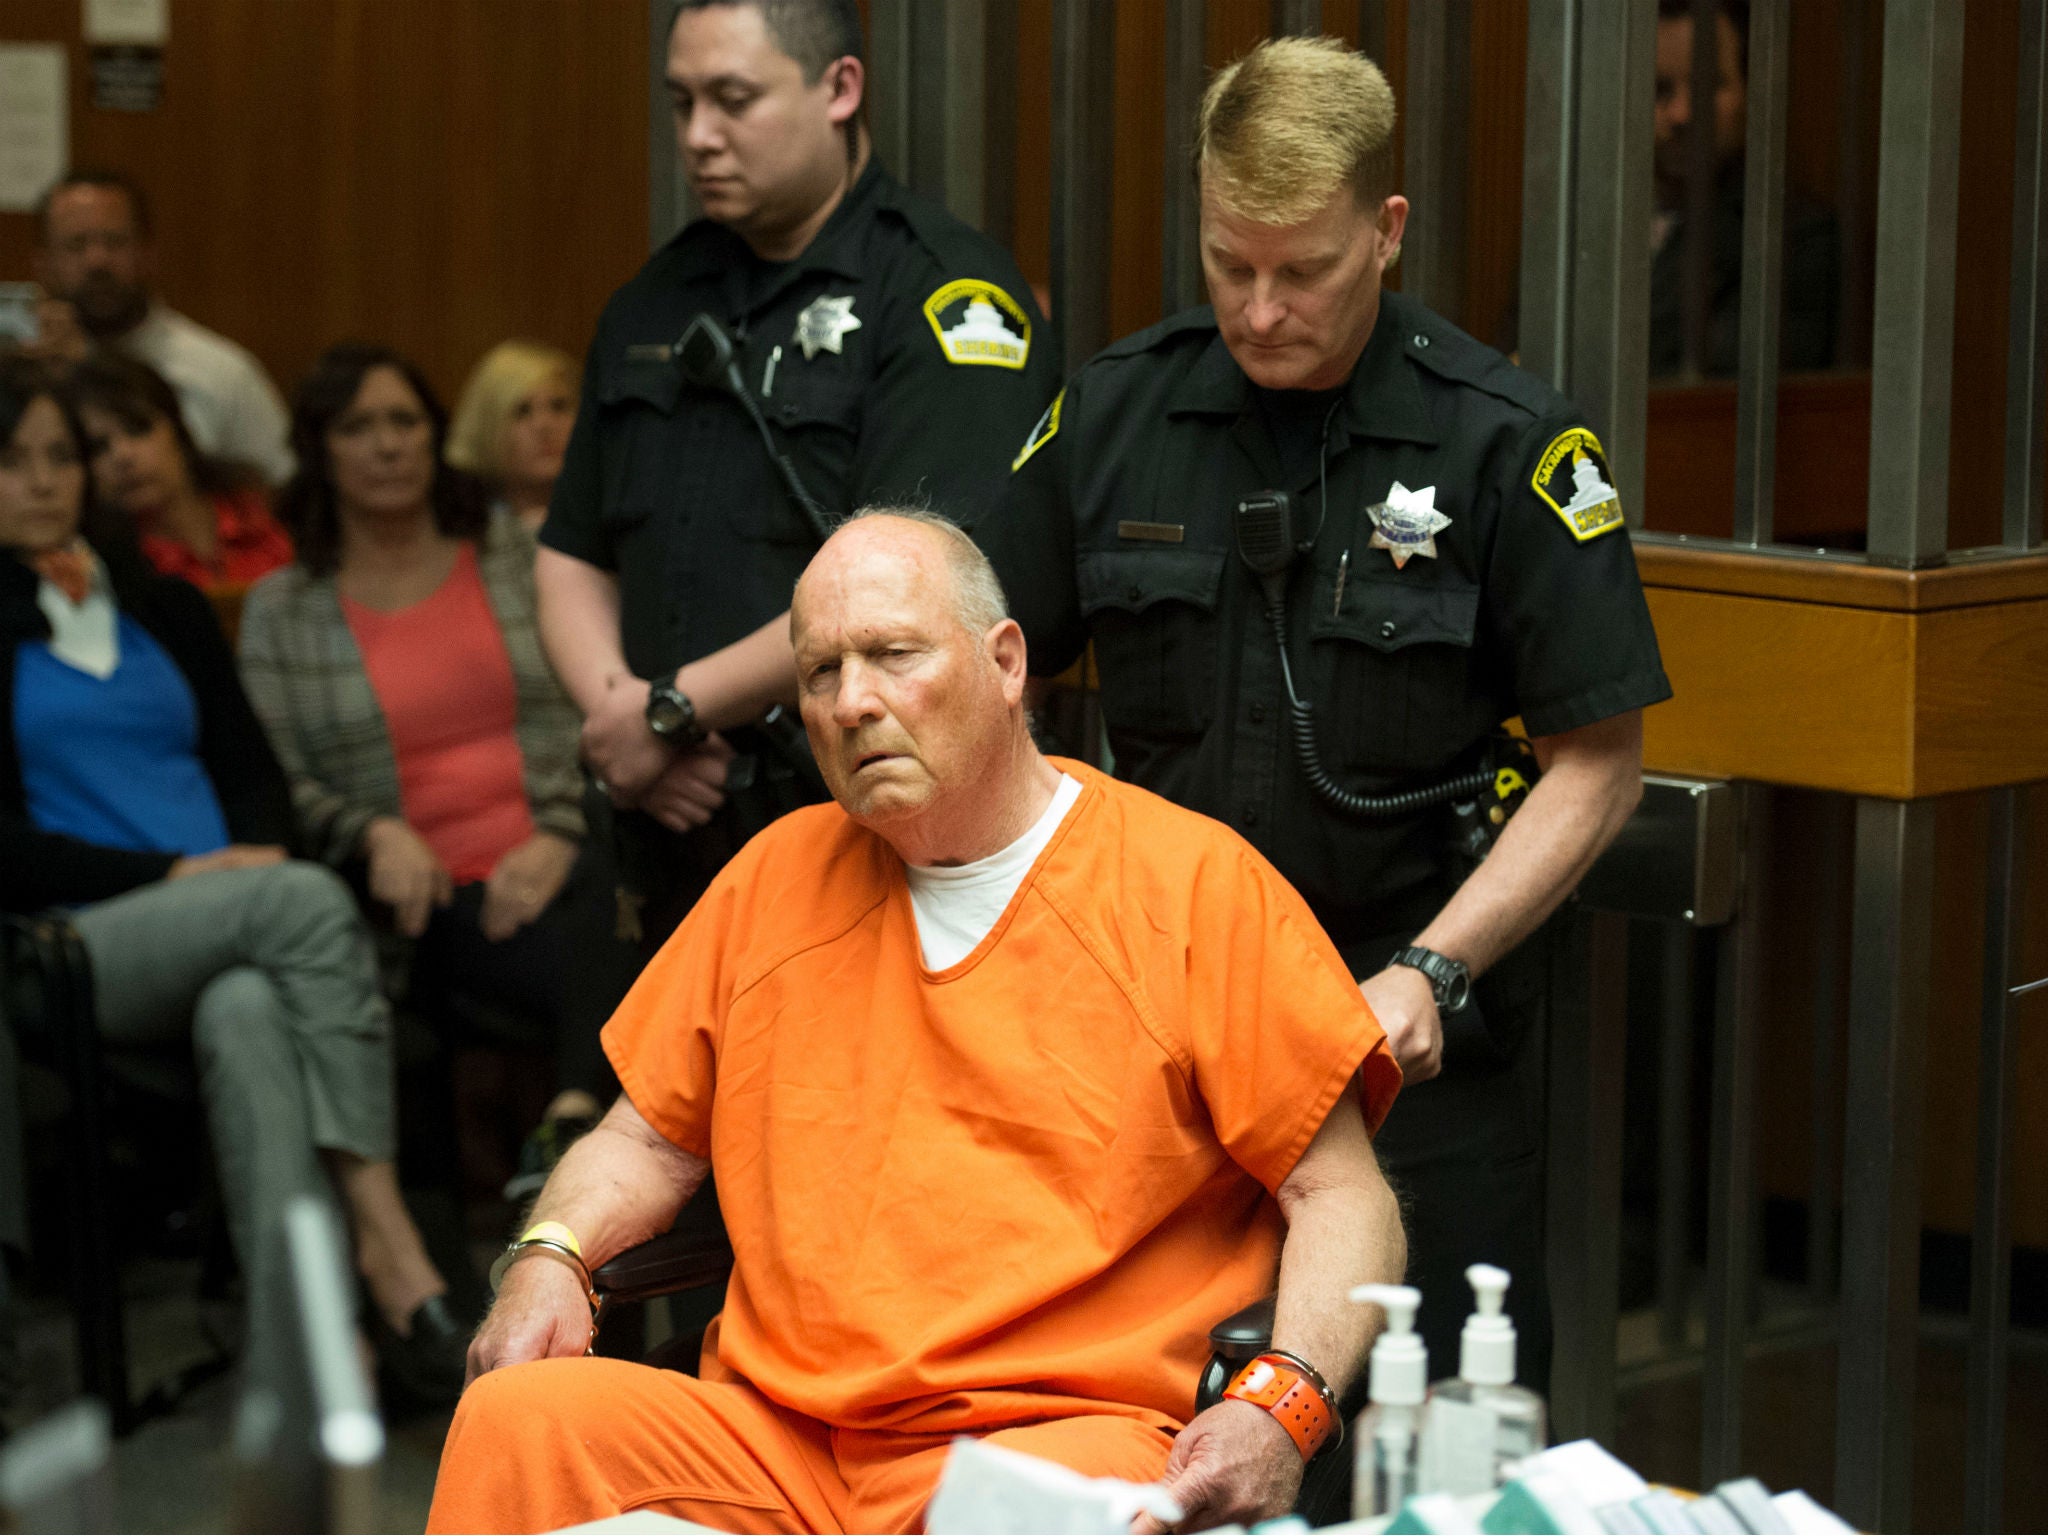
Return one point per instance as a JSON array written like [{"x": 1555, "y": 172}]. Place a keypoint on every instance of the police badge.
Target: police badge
[{"x": 1406, "y": 523}]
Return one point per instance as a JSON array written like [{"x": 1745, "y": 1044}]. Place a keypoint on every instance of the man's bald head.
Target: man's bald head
[{"x": 911, "y": 678}]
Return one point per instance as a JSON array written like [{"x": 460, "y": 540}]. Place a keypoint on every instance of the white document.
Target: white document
[
  {"x": 989, "y": 1491},
  {"x": 35, "y": 136}
]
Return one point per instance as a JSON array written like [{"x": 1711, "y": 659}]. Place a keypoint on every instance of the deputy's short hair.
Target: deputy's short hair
[
  {"x": 1289, "y": 123},
  {"x": 813, "y": 32}
]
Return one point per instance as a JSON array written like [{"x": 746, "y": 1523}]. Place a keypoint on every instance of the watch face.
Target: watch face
[{"x": 664, "y": 716}]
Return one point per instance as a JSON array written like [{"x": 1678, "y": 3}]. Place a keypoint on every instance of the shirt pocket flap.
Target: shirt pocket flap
[
  {"x": 646, "y": 380},
  {"x": 1393, "y": 615},
  {"x": 818, "y": 402},
  {"x": 1135, "y": 580}
]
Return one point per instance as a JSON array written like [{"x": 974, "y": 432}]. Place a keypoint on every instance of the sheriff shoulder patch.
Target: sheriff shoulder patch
[
  {"x": 978, "y": 324},
  {"x": 1572, "y": 476},
  {"x": 1047, "y": 428}
]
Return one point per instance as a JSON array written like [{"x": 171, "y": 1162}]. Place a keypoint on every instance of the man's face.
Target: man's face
[
  {"x": 762, "y": 149},
  {"x": 1296, "y": 303},
  {"x": 907, "y": 709},
  {"x": 1674, "y": 95},
  {"x": 95, "y": 259}
]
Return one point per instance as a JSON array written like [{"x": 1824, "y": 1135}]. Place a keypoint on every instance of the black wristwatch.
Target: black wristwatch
[
  {"x": 671, "y": 715},
  {"x": 1450, "y": 981}
]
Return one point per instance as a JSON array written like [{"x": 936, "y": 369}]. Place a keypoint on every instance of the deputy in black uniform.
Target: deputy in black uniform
[
  {"x": 1458, "y": 558},
  {"x": 892, "y": 354}
]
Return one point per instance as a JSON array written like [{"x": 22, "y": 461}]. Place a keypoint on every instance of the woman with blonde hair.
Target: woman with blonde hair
[{"x": 512, "y": 423}]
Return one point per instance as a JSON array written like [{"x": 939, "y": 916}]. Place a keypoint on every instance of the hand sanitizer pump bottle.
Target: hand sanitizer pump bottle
[
  {"x": 1479, "y": 1422},
  {"x": 1385, "y": 1469}
]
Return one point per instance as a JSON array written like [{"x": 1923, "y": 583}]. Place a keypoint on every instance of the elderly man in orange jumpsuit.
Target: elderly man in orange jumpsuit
[{"x": 1016, "y": 1079}]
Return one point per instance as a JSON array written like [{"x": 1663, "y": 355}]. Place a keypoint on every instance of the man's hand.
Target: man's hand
[
  {"x": 541, "y": 1314},
  {"x": 234, "y": 856},
  {"x": 692, "y": 788},
  {"x": 624, "y": 754},
  {"x": 1233, "y": 1463},
  {"x": 1402, "y": 999},
  {"x": 525, "y": 880},
  {"x": 405, "y": 874}
]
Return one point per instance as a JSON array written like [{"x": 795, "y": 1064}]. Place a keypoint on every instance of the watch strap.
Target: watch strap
[{"x": 1297, "y": 1398}]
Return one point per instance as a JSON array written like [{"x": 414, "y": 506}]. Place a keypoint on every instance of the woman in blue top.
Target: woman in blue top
[{"x": 137, "y": 787}]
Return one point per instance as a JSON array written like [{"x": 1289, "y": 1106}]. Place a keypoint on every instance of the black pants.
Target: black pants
[
  {"x": 1464, "y": 1151},
  {"x": 553, "y": 983}
]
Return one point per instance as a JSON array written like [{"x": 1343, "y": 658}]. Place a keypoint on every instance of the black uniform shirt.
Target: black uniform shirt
[
  {"x": 928, "y": 361},
  {"x": 1118, "y": 528}
]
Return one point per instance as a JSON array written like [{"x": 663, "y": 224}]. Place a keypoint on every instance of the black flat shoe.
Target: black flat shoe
[{"x": 426, "y": 1366}]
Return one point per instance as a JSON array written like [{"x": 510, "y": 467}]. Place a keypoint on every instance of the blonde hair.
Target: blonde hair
[
  {"x": 1289, "y": 123},
  {"x": 506, "y": 375}
]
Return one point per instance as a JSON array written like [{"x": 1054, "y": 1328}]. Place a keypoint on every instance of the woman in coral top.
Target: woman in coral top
[
  {"x": 398, "y": 671},
  {"x": 204, "y": 520}
]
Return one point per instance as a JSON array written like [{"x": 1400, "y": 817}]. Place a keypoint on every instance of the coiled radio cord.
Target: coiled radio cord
[{"x": 1302, "y": 719}]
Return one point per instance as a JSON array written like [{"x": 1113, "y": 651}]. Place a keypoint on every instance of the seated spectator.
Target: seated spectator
[
  {"x": 399, "y": 674},
  {"x": 198, "y": 518},
  {"x": 96, "y": 262},
  {"x": 135, "y": 786},
  {"x": 512, "y": 423},
  {"x": 1015, "y": 1079}
]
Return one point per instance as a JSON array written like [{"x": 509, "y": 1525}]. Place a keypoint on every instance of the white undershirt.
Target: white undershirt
[{"x": 956, "y": 905}]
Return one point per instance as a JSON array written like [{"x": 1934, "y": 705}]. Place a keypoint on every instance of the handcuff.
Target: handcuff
[
  {"x": 1294, "y": 1392},
  {"x": 553, "y": 1240}
]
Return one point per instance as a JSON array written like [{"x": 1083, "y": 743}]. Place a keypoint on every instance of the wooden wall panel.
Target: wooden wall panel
[{"x": 436, "y": 176}]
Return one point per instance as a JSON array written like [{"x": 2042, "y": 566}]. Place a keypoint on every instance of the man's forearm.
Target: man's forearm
[
  {"x": 579, "y": 624},
  {"x": 1588, "y": 790},
  {"x": 1343, "y": 1229},
  {"x": 739, "y": 683},
  {"x": 620, "y": 1185}
]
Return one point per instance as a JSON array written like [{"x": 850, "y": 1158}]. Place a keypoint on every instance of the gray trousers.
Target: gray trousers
[{"x": 272, "y": 972}]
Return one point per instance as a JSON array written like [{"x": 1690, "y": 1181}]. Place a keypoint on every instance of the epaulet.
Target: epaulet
[
  {"x": 1438, "y": 346},
  {"x": 1154, "y": 338}
]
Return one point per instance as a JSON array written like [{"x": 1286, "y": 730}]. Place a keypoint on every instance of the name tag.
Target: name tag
[{"x": 1152, "y": 533}]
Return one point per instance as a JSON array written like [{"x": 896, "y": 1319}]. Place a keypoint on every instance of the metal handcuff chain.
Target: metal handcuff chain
[{"x": 1301, "y": 716}]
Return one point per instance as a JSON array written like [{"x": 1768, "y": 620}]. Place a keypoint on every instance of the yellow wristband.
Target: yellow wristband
[{"x": 553, "y": 1232}]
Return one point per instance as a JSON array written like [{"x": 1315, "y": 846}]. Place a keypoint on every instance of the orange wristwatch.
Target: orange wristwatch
[{"x": 1294, "y": 1393}]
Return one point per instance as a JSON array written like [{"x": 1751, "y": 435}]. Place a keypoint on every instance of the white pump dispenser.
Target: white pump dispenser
[
  {"x": 1385, "y": 1470},
  {"x": 1479, "y": 1422}
]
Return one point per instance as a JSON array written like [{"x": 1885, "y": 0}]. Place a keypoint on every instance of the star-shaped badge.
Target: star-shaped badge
[
  {"x": 1406, "y": 523},
  {"x": 824, "y": 322}
]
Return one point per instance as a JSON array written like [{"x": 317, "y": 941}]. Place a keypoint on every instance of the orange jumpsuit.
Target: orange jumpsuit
[{"x": 1008, "y": 1198}]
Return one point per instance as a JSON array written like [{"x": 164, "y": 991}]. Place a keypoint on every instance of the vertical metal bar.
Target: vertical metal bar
[
  {"x": 1674, "y": 1138},
  {"x": 1180, "y": 263},
  {"x": 956, "y": 136},
  {"x": 1763, "y": 270},
  {"x": 1702, "y": 172},
  {"x": 999, "y": 121},
  {"x": 1991, "y": 1242},
  {"x": 1439, "y": 63},
  {"x": 1588, "y": 1040},
  {"x": 1823, "y": 1251},
  {"x": 1913, "y": 317},
  {"x": 669, "y": 204},
  {"x": 1852, "y": 316},
  {"x": 1608, "y": 373},
  {"x": 1731, "y": 1157},
  {"x": 1550, "y": 109},
  {"x": 1372, "y": 30},
  {"x": 1888, "y": 996},
  {"x": 892, "y": 85},
  {"x": 1297, "y": 18},
  {"x": 2026, "y": 373},
  {"x": 1083, "y": 57}
]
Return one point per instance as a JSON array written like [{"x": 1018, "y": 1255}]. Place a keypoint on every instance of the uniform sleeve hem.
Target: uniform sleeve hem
[
  {"x": 637, "y": 1092},
  {"x": 1596, "y": 704},
  {"x": 567, "y": 541},
  {"x": 1366, "y": 1060}
]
